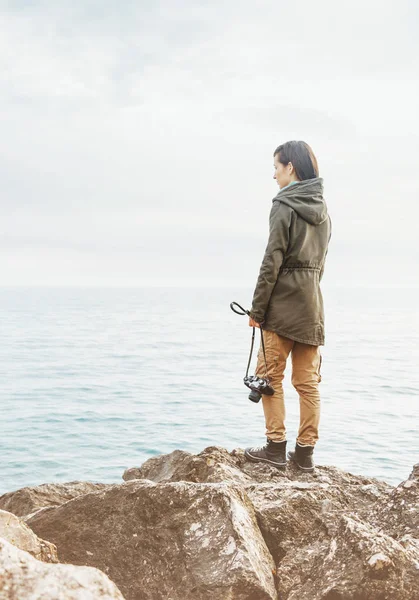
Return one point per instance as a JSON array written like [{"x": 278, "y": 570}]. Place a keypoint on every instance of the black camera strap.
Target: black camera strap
[{"x": 246, "y": 312}]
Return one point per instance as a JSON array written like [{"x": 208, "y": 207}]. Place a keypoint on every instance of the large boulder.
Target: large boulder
[
  {"x": 22, "y": 577},
  {"x": 15, "y": 531},
  {"x": 290, "y": 505},
  {"x": 293, "y": 513},
  {"x": 357, "y": 563},
  {"x": 30, "y": 499},
  {"x": 322, "y": 529},
  {"x": 183, "y": 541}
]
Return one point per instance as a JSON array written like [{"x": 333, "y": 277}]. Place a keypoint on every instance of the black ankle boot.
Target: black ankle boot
[
  {"x": 303, "y": 457},
  {"x": 273, "y": 453}
]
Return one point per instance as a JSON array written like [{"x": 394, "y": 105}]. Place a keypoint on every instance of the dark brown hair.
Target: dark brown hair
[{"x": 302, "y": 158}]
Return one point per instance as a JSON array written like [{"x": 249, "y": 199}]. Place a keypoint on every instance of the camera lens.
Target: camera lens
[{"x": 255, "y": 396}]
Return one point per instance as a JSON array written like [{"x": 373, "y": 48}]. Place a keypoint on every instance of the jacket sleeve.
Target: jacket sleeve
[
  {"x": 279, "y": 227},
  {"x": 327, "y": 249}
]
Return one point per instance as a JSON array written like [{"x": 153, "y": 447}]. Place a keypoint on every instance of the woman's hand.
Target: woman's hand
[{"x": 253, "y": 323}]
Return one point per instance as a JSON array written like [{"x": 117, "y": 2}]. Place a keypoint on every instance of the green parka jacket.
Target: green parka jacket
[{"x": 287, "y": 298}]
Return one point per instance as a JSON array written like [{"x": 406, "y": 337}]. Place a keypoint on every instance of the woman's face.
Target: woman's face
[{"x": 283, "y": 174}]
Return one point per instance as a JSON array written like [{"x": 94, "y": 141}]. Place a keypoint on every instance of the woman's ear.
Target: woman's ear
[{"x": 290, "y": 168}]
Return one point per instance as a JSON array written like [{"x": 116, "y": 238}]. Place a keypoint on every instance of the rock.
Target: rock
[
  {"x": 398, "y": 513},
  {"x": 161, "y": 468},
  {"x": 302, "y": 519},
  {"x": 30, "y": 499},
  {"x": 22, "y": 577},
  {"x": 179, "y": 540},
  {"x": 215, "y": 464},
  {"x": 292, "y": 513},
  {"x": 414, "y": 475},
  {"x": 288, "y": 503},
  {"x": 357, "y": 563},
  {"x": 15, "y": 531},
  {"x": 380, "y": 562},
  {"x": 212, "y": 465},
  {"x": 214, "y": 526}
]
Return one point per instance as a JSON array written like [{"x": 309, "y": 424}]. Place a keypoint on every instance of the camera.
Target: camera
[{"x": 258, "y": 386}]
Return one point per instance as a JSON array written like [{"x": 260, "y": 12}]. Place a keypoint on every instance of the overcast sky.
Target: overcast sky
[{"x": 137, "y": 136}]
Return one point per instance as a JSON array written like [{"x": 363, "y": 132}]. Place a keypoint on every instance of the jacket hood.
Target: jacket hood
[{"x": 306, "y": 198}]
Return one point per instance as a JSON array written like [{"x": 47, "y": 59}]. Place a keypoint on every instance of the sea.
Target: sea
[{"x": 96, "y": 380}]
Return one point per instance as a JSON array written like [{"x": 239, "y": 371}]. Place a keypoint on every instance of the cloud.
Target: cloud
[{"x": 150, "y": 126}]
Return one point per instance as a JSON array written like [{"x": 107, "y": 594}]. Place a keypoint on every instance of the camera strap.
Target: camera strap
[{"x": 246, "y": 312}]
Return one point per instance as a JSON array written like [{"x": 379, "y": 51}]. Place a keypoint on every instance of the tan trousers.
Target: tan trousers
[{"x": 306, "y": 363}]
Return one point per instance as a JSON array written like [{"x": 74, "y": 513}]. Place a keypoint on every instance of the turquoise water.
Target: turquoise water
[{"x": 98, "y": 380}]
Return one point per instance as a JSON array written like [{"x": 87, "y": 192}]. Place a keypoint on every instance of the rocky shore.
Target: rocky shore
[{"x": 212, "y": 526}]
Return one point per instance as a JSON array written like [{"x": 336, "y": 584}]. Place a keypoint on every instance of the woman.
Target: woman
[{"x": 288, "y": 302}]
